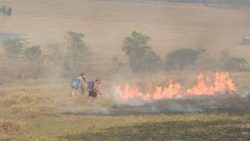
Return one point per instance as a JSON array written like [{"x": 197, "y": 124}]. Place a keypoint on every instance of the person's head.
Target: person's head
[
  {"x": 82, "y": 74},
  {"x": 98, "y": 81}
]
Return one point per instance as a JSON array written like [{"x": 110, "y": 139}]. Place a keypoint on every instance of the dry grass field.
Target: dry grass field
[{"x": 42, "y": 110}]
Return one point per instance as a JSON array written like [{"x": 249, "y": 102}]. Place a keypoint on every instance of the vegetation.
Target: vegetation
[
  {"x": 211, "y": 2},
  {"x": 6, "y": 11},
  {"x": 14, "y": 53},
  {"x": 187, "y": 58},
  {"x": 181, "y": 58},
  {"x": 78, "y": 52},
  {"x": 26, "y": 62},
  {"x": 43, "y": 110},
  {"x": 23, "y": 61},
  {"x": 233, "y": 63},
  {"x": 33, "y": 53},
  {"x": 140, "y": 55},
  {"x": 35, "y": 60},
  {"x": 13, "y": 47}
]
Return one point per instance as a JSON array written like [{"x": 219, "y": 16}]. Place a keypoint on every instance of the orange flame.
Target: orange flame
[{"x": 220, "y": 82}]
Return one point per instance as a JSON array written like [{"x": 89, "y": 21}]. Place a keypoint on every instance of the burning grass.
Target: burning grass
[
  {"x": 206, "y": 85},
  {"x": 43, "y": 110}
]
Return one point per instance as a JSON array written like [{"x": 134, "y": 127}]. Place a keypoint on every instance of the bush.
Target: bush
[
  {"x": 33, "y": 53},
  {"x": 211, "y": 2},
  {"x": 14, "y": 53},
  {"x": 181, "y": 58},
  {"x": 13, "y": 47},
  {"x": 233, "y": 63},
  {"x": 34, "y": 61}
]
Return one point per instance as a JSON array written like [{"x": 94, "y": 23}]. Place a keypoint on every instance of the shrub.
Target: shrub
[
  {"x": 181, "y": 58},
  {"x": 233, "y": 63}
]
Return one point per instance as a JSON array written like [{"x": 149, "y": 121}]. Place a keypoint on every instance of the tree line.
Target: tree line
[
  {"x": 210, "y": 2},
  {"x": 142, "y": 58},
  {"x": 22, "y": 60}
]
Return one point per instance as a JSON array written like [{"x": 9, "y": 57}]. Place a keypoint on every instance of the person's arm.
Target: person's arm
[
  {"x": 96, "y": 89},
  {"x": 85, "y": 79},
  {"x": 80, "y": 78}
]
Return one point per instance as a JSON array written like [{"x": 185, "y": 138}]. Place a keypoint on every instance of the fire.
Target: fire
[
  {"x": 153, "y": 92},
  {"x": 222, "y": 83},
  {"x": 208, "y": 85}
]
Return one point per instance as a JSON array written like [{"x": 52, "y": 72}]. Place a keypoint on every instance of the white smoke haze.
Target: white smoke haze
[
  {"x": 105, "y": 25},
  {"x": 215, "y": 30}
]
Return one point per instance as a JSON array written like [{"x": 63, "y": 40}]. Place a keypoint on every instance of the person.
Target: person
[
  {"x": 83, "y": 81},
  {"x": 93, "y": 89},
  {"x": 75, "y": 86}
]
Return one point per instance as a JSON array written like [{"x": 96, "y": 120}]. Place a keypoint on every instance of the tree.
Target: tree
[
  {"x": 34, "y": 56},
  {"x": 237, "y": 64},
  {"x": 180, "y": 58},
  {"x": 6, "y": 12},
  {"x": 140, "y": 55},
  {"x": 13, "y": 47},
  {"x": 232, "y": 63},
  {"x": 33, "y": 53},
  {"x": 213, "y": 2},
  {"x": 77, "y": 52},
  {"x": 14, "y": 50}
]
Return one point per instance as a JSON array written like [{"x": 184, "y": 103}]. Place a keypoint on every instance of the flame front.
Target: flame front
[{"x": 208, "y": 85}]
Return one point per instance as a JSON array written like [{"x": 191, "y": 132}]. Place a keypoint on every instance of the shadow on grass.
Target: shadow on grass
[{"x": 170, "y": 131}]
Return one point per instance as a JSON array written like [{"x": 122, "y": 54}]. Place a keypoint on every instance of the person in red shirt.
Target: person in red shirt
[{"x": 94, "y": 91}]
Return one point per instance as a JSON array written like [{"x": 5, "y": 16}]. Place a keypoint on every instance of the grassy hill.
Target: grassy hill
[{"x": 106, "y": 24}]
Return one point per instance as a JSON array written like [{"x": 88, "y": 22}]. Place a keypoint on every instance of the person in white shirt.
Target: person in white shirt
[{"x": 83, "y": 81}]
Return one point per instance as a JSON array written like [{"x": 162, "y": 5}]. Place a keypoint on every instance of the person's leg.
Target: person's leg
[
  {"x": 94, "y": 95},
  {"x": 77, "y": 91},
  {"x": 90, "y": 100},
  {"x": 72, "y": 92},
  {"x": 90, "y": 97},
  {"x": 82, "y": 90}
]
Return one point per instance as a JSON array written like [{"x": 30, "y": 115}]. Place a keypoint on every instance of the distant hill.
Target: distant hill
[
  {"x": 207, "y": 2},
  {"x": 105, "y": 24}
]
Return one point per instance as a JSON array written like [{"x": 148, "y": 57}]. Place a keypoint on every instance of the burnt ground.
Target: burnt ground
[{"x": 196, "y": 104}]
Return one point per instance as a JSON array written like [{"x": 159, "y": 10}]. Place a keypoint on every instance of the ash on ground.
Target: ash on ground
[{"x": 196, "y": 104}]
